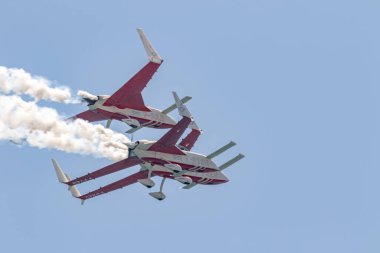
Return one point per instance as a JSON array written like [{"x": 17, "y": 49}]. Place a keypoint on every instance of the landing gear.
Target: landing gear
[
  {"x": 159, "y": 195},
  {"x": 148, "y": 182}
]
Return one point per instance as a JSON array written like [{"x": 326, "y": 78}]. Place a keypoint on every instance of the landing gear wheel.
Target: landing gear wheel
[{"x": 159, "y": 195}]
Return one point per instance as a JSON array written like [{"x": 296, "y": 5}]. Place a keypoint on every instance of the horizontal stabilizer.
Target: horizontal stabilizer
[
  {"x": 230, "y": 162},
  {"x": 152, "y": 54},
  {"x": 221, "y": 150},
  {"x": 173, "y": 106},
  {"x": 60, "y": 175}
]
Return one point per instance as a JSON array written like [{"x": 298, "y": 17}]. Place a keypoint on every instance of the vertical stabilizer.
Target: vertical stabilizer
[
  {"x": 152, "y": 54},
  {"x": 182, "y": 109},
  {"x": 60, "y": 175}
]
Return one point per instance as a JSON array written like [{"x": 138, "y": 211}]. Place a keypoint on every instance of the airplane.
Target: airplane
[
  {"x": 127, "y": 104},
  {"x": 161, "y": 158}
]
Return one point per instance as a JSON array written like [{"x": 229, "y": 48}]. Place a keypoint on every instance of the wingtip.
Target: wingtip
[
  {"x": 193, "y": 125},
  {"x": 75, "y": 192},
  {"x": 151, "y": 52},
  {"x": 58, "y": 171}
]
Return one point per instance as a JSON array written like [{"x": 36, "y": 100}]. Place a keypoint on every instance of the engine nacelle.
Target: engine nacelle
[
  {"x": 184, "y": 180},
  {"x": 132, "y": 122},
  {"x": 173, "y": 167}
]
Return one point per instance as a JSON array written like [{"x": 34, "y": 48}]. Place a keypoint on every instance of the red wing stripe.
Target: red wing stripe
[
  {"x": 129, "y": 95},
  {"x": 123, "y": 164},
  {"x": 188, "y": 142},
  {"x": 116, "y": 185},
  {"x": 90, "y": 116},
  {"x": 168, "y": 141}
]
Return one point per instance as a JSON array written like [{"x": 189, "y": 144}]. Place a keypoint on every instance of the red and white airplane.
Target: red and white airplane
[
  {"x": 160, "y": 158},
  {"x": 127, "y": 104}
]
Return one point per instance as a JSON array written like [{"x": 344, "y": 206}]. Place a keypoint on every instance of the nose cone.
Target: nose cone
[{"x": 223, "y": 178}]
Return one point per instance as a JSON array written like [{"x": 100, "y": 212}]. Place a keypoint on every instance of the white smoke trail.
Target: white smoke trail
[
  {"x": 42, "y": 127},
  {"x": 20, "y": 82},
  {"x": 85, "y": 94}
]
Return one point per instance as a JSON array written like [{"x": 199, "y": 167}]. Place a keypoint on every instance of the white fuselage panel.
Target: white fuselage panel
[{"x": 154, "y": 115}]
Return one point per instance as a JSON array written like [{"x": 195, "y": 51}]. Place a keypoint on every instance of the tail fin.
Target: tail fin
[
  {"x": 152, "y": 54},
  {"x": 60, "y": 175},
  {"x": 182, "y": 109},
  {"x": 172, "y": 107},
  {"x": 184, "y": 112},
  {"x": 64, "y": 178},
  {"x": 74, "y": 190}
]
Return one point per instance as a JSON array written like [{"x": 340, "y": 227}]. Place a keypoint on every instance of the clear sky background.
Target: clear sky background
[{"x": 295, "y": 83}]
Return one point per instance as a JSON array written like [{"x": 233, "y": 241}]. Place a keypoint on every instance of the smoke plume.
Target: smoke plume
[
  {"x": 43, "y": 127},
  {"x": 19, "y": 82},
  {"x": 85, "y": 94}
]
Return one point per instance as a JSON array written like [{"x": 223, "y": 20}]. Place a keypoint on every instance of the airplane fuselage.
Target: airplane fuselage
[
  {"x": 135, "y": 118},
  {"x": 189, "y": 161},
  {"x": 205, "y": 178}
]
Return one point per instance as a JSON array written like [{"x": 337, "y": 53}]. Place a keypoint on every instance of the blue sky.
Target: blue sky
[{"x": 294, "y": 83}]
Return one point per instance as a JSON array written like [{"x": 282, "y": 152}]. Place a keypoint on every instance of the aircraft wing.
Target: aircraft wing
[
  {"x": 123, "y": 164},
  {"x": 167, "y": 143},
  {"x": 89, "y": 115},
  {"x": 188, "y": 142},
  {"x": 116, "y": 185},
  {"x": 129, "y": 95}
]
